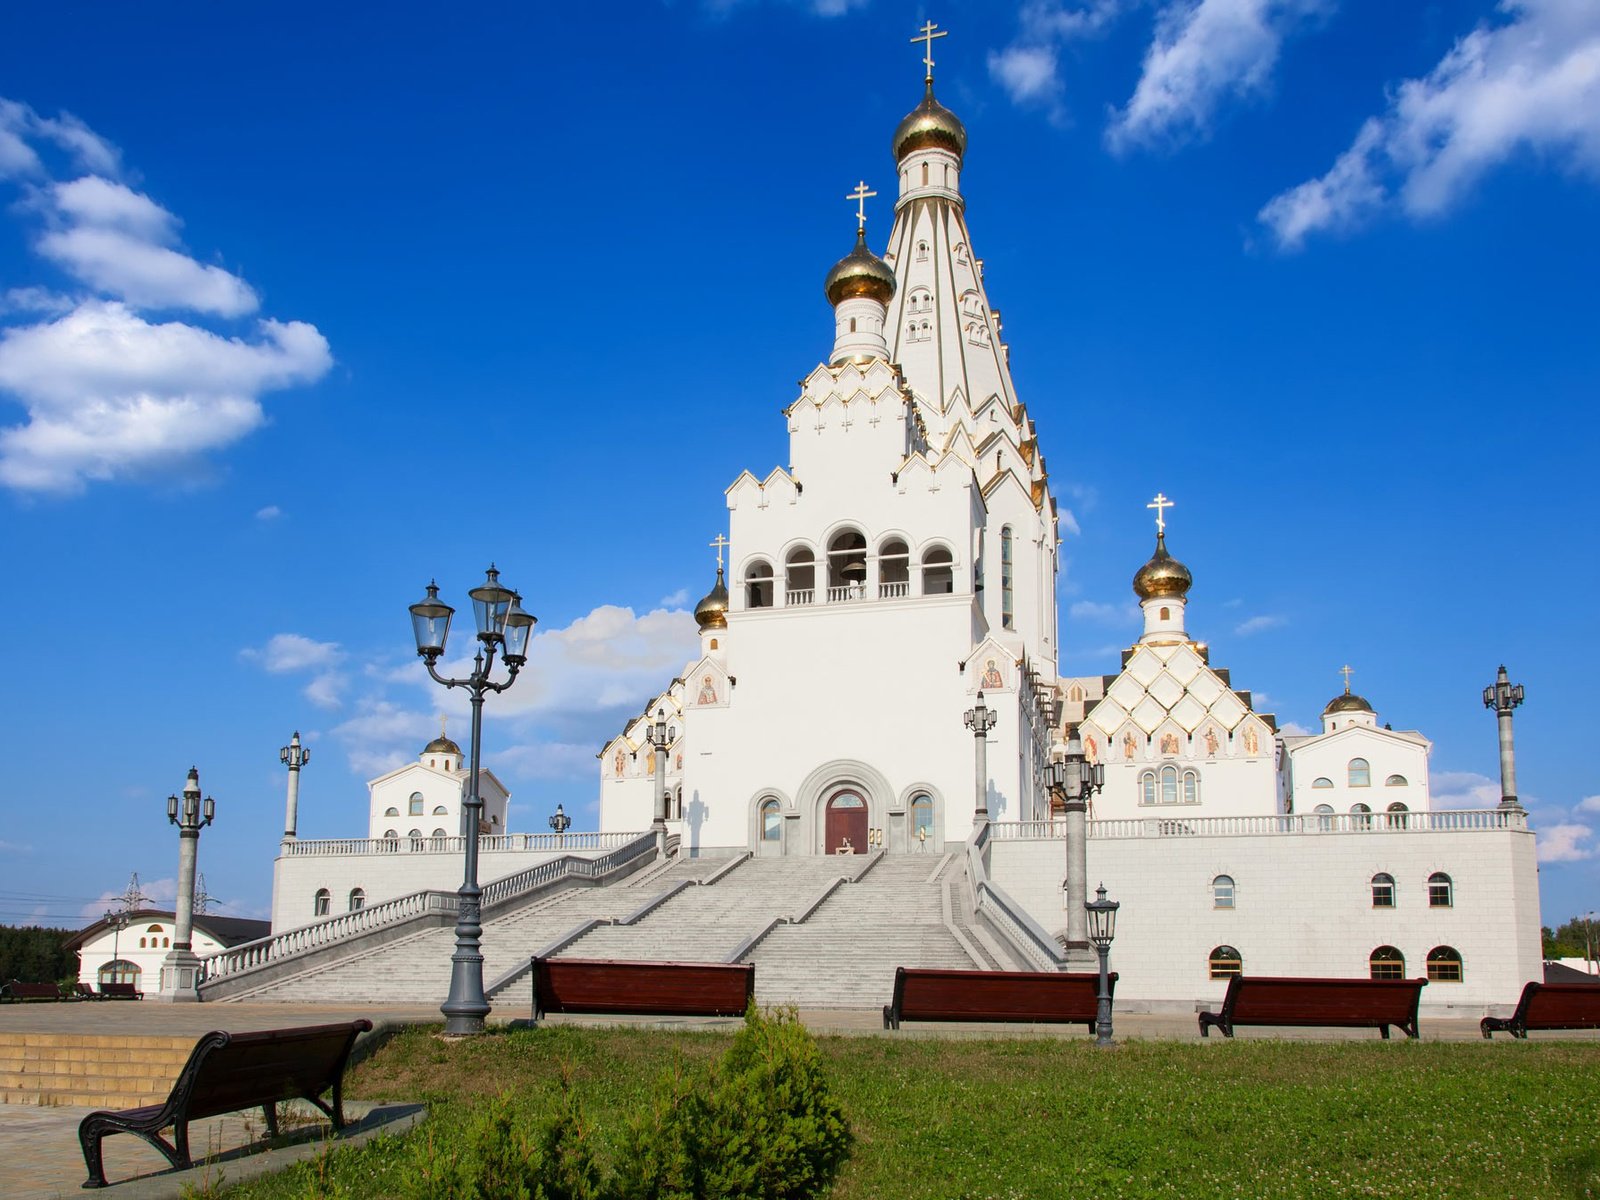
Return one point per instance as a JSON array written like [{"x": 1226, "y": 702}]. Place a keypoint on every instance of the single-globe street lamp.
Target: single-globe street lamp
[
  {"x": 180, "y": 971},
  {"x": 1073, "y": 780},
  {"x": 294, "y": 756},
  {"x": 560, "y": 822},
  {"x": 1503, "y": 696},
  {"x": 1102, "y": 928},
  {"x": 981, "y": 720},
  {"x": 505, "y": 628}
]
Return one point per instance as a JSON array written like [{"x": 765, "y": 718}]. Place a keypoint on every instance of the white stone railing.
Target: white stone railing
[
  {"x": 1449, "y": 820},
  {"x": 795, "y": 596},
  {"x": 847, "y": 591},
  {"x": 346, "y": 926},
  {"x": 894, "y": 591},
  {"x": 558, "y": 843},
  {"x": 1005, "y": 916}
]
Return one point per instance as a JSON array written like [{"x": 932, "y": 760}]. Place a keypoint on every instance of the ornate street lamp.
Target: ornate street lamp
[
  {"x": 118, "y": 922},
  {"x": 294, "y": 756},
  {"x": 180, "y": 971},
  {"x": 658, "y": 737},
  {"x": 1503, "y": 696},
  {"x": 560, "y": 822},
  {"x": 1073, "y": 780},
  {"x": 981, "y": 720},
  {"x": 1102, "y": 928},
  {"x": 505, "y": 628}
]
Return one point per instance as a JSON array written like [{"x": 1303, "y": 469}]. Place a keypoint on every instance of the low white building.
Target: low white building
[
  {"x": 131, "y": 948},
  {"x": 426, "y": 799}
]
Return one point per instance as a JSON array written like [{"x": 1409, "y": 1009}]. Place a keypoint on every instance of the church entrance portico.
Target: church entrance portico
[{"x": 845, "y": 825}]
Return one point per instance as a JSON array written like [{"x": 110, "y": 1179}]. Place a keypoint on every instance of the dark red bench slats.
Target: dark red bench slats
[
  {"x": 1346, "y": 1003},
  {"x": 1549, "y": 1006},
  {"x": 577, "y": 985},
  {"x": 18, "y": 990},
  {"x": 940, "y": 994}
]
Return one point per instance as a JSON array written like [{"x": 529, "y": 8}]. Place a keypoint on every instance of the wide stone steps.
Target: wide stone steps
[{"x": 87, "y": 1070}]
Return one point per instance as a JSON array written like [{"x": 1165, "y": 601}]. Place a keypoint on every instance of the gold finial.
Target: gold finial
[
  {"x": 442, "y": 721},
  {"x": 1161, "y": 504},
  {"x": 926, "y": 37},
  {"x": 719, "y": 544},
  {"x": 861, "y": 196},
  {"x": 1346, "y": 671}
]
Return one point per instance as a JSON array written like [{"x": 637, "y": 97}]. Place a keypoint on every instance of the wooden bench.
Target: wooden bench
[
  {"x": 227, "y": 1072},
  {"x": 933, "y": 994},
  {"x": 120, "y": 991},
  {"x": 18, "y": 990},
  {"x": 577, "y": 985},
  {"x": 1549, "y": 1006},
  {"x": 1348, "y": 1003}
]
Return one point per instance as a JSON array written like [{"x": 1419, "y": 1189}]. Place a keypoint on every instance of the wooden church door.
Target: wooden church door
[{"x": 845, "y": 829}]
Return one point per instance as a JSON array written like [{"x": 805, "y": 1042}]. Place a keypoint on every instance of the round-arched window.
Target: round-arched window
[
  {"x": 1222, "y": 891},
  {"x": 1444, "y": 965},
  {"x": 1395, "y": 781},
  {"x": 440, "y": 810},
  {"x": 391, "y": 811},
  {"x": 321, "y": 902},
  {"x": 771, "y": 820},
  {"x": 1441, "y": 891},
  {"x": 1225, "y": 962},
  {"x": 1322, "y": 781},
  {"x": 416, "y": 804},
  {"x": 1383, "y": 890},
  {"x": 358, "y": 899},
  {"x": 758, "y": 584},
  {"x": 118, "y": 970},
  {"x": 1324, "y": 814},
  {"x": 1360, "y": 773},
  {"x": 439, "y": 833},
  {"x": 922, "y": 818},
  {"x": 1387, "y": 963}
]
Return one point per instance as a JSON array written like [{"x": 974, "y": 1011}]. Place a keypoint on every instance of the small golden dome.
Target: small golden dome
[
  {"x": 1163, "y": 575},
  {"x": 860, "y": 273},
  {"x": 1346, "y": 702},
  {"x": 441, "y": 745},
  {"x": 930, "y": 124},
  {"x": 712, "y": 612}
]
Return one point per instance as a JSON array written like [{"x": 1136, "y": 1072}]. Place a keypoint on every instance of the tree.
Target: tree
[{"x": 36, "y": 955}]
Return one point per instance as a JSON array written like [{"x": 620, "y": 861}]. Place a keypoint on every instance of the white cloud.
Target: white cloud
[
  {"x": 1029, "y": 68},
  {"x": 34, "y": 300},
  {"x": 1203, "y": 52},
  {"x": 15, "y": 848},
  {"x": 1110, "y": 614},
  {"x": 327, "y": 689},
  {"x": 1259, "y": 624},
  {"x": 1589, "y": 804},
  {"x": 286, "y": 652},
  {"x": 1463, "y": 789},
  {"x": 1068, "y": 522},
  {"x": 110, "y": 395},
  {"x": 1528, "y": 83},
  {"x": 383, "y": 736},
  {"x": 22, "y": 130},
  {"x": 270, "y": 512},
  {"x": 677, "y": 600},
  {"x": 546, "y": 760},
  {"x": 1564, "y": 843},
  {"x": 1028, "y": 73},
  {"x": 1294, "y": 729},
  {"x": 145, "y": 275}
]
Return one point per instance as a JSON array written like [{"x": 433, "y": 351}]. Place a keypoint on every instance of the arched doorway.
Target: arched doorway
[{"x": 845, "y": 825}]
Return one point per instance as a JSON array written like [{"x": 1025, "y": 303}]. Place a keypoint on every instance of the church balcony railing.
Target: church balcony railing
[
  {"x": 514, "y": 843},
  {"x": 1449, "y": 820},
  {"x": 847, "y": 592},
  {"x": 894, "y": 591},
  {"x": 344, "y": 927},
  {"x": 798, "y": 596}
]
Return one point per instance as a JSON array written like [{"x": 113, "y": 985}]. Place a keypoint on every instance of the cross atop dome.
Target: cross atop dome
[
  {"x": 926, "y": 38},
  {"x": 721, "y": 542},
  {"x": 861, "y": 195},
  {"x": 1161, "y": 504},
  {"x": 1347, "y": 670}
]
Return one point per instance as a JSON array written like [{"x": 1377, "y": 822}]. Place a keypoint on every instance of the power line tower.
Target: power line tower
[
  {"x": 202, "y": 898},
  {"x": 134, "y": 896}
]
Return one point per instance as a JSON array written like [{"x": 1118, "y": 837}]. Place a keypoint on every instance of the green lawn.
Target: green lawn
[{"x": 953, "y": 1119}]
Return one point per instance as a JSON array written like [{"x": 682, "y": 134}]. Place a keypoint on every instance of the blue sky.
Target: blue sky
[{"x": 300, "y": 307}]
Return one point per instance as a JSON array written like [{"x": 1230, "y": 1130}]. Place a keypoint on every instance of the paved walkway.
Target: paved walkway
[{"x": 40, "y": 1145}]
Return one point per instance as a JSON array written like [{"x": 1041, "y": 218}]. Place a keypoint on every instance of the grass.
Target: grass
[{"x": 972, "y": 1119}]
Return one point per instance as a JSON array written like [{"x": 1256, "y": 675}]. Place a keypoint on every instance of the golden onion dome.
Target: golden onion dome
[
  {"x": 1346, "y": 702},
  {"x": 860, "y": 273},
  {"x": 930, "y": 124},
  {"x": 712, "y": 612},
  {"x": 441, "y": 745},
  {"x": 1163, "y": 575}
]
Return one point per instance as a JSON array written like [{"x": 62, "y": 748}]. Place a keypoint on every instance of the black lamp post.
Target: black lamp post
[
  {"x": 502, "y": 626},
  {"x": 560, "y": 822},
  {"x": 1503, "y": 696},
  {"x": 1102, "y": 928},
  {"x": 180, "y": 971},
  {"x": 1075, "y": 780}
]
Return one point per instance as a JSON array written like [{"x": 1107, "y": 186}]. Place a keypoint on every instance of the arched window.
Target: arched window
[
  {"x": 1386, "y": 963},
  {"x": 921, "y": 300},
  {"x": 1169, "y": 785},
  {"x": 414, "y": 834},
  {"x": 1444, "y": 965},
  {"x": 1322, "y": 781},
  {"x": 1360, "y": 816},
  {"x": 358, "y": 899},
  {"x": 924, "y": 174},
  {"x": 141, "y": 943},
  {"x": 758, "y": 584},
  {"x": 440, "y": 810},
  {"x": 1441, "y": 891},
  {"x": 1324, "y": 813},
  {"x": 416, "y": 804},
  {"x": 391, "y": 811},
  {"x": 153, "y": 929},
  {"x": 391, "y": 835},
  {"x": 894, "y": 569},
  {"x": 1383, "y": 890},
  {"x": 922, "y": 818},
  {"x": 800, "y": 579},
  {"x": 1360, "y": 773},
  {"x": 922, "y": 247},
  {"x": 1395, "y": 781},
  {"x": 118, "y": 970},
  {"x": 771, "y": 821},
  {"x": 847, "y": 565},
  {"x": 439, "y": 833},
  {"x": 321, "y": 902},
  {"x": 1225, "y": 962},
  {"x": 938, "y": 572},
  {"x": 1147, "y": 788},
  {"x": 1191, "y": 787},
  {"x": 1397, "y": 815},
  {"x": 1007, "y": 600},
  {"x": 1222, "y": 891}
]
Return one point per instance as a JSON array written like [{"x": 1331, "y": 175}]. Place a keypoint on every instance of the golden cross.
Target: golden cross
[
  {"x": 719, "y": 544},
  {"x": 1161, "y": 504},
  {"x": 442, "y": 720},
  {"x": 926, "y": 36},
  {"x": 861, "y": 196},
  {"x": 1346, "y": 672}
]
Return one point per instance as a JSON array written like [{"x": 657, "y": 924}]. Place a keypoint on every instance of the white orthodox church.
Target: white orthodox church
[{"x": 893, "y": 586}]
